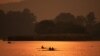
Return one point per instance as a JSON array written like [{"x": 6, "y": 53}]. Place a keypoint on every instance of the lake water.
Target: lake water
[{"x": 63, "y": 48}]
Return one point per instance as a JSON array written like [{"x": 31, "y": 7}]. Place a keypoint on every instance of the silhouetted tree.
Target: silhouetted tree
[
  {"x": 28, "y": 20},
  {"x": 45, "y": 27},
  {"x": 11, "y": 17},
  {"x": 67, "y": 23},
  {"x": 90, "y": 21},
  {"x": 96, "y": 29},
  {"x": 28, "y": 15},
  {"x": 65, "y": 18},
  {"x": 1, "y": 13},
  {"x": 91, "y": 18},
  {"x": 20, "y": 23},
  {"x": 2, "y": 20},
  {"x": 81, "y": 20}
]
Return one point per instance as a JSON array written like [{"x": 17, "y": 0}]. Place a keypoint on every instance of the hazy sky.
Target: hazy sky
[
  {"x": 8, "y": 1},
  {"x": 48, "y": 9}
]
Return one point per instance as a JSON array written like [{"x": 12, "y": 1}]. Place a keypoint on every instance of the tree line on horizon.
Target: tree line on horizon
[
  {"x": 17, "y": 23},
  {"x": 13, "y": 23}
]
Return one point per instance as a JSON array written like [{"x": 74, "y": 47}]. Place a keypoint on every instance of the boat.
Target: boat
[
  {"x": 42, "y": 47},
  {"x": 51, "y": 49},
  {"x": 47, "y": 49},
  {"x": 9, "y": 42}
]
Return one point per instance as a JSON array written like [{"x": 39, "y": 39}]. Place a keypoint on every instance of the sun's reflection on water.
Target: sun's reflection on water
[{"x": 63, "y": 48}]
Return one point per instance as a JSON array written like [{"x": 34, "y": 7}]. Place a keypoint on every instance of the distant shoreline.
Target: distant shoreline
[{"x": 49, "y": 37}]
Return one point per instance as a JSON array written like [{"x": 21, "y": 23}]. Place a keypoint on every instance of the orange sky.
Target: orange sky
[{"x": 48, "y": 9}]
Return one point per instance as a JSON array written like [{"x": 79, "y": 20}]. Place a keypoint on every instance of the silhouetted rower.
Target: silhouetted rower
[
  {"x": 9, "y": 42},
  {"x": 42, "y": 47},
  {"x": 51, "y": 49}
]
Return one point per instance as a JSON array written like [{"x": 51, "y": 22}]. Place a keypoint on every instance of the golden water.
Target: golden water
[{"x": 63, "y": 48}]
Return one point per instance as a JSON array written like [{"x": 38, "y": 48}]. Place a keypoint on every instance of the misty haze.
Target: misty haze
[{"x": 49, "y": 28}]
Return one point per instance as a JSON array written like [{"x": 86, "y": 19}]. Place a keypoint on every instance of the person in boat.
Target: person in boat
[
  {"x": 51, "y": 49},
  {"x": 42, "y": 47},
  {"x": 9, "y": 42}
]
